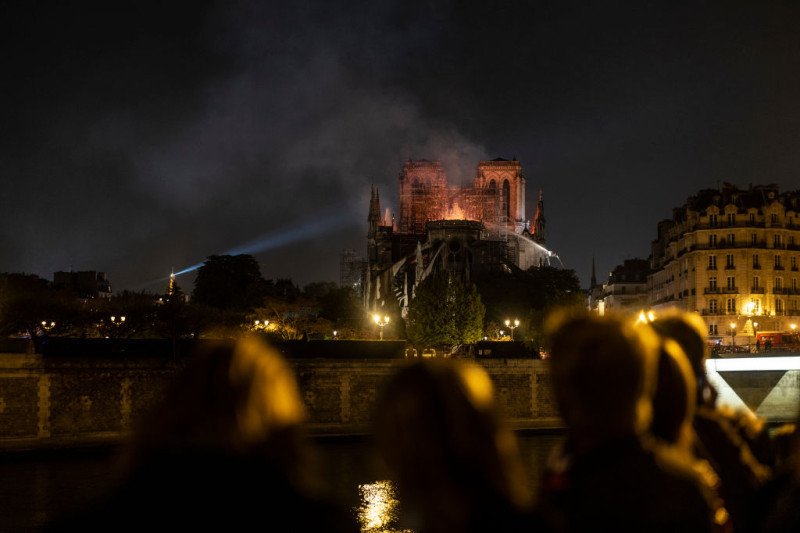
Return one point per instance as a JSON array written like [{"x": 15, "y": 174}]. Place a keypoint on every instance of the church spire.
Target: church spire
[
  {"x": 374, "y": 218},
  {"x": 539, "y": 221}
]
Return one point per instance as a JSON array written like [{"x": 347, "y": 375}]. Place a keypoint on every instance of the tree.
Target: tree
[
  {"x": 230, "y": 283},
  {"x": 445, "y": 311},
  {"x": 529, "y": 295}
]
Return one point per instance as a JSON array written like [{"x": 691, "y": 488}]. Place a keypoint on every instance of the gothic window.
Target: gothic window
[
  {"x": 506, "y": 198},
  {"x": 492, "y": 184}
]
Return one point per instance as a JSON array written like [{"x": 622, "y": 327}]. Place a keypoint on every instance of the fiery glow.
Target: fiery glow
[
  {"x": 455, "y": 213},
  {"x": 379, "y": 508}
]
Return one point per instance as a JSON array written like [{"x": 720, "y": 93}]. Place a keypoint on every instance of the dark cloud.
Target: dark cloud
[{"x": 142, "y": 136}]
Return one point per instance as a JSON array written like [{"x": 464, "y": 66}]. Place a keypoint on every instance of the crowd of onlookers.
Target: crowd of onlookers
[{"x": 646, "y": 446}]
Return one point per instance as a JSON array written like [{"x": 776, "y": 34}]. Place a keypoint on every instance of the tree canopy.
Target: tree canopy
[
  {"x": 529, "y": 296},
  {"x": 230, "y": 283},
  {"x": 445, "y": 311}
]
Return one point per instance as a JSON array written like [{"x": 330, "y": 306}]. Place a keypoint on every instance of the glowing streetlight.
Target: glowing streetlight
[
  {"x": 48, "y": 326},
  {"x": 733, "y": 330},
  {"x": 381, "y": 324},
  {"x": 261, "y": 325},
  {"x": 508, "y": 325},
  {"x": 335, "y": 335}
]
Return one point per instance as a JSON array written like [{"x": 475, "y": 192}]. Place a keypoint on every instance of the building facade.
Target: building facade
[
  {"x": 624, "y": 292},
  {"x": 465, "y": 229},
  {"x": 731, "y": 255}
]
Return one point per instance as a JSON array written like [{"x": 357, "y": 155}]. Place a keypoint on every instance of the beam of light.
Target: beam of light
[
  {"x": 281, "y": 237},
  {"x": 744, "y": 364}
]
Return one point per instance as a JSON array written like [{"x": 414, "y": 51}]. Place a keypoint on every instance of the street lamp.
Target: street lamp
[
  {"x": 261, "y": 325},
  {"x": 508, "y": 325},
  {"x": 381, "y": 324},
  {"x": 733, "y": 330},
  {"x": 46, "y": 326},
  {"x": 335, "y": 335}
]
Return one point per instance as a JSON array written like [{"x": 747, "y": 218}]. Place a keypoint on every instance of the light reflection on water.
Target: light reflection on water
[
  {"x": 379, "y": 508},
  {"x": 38, "y": 488}
]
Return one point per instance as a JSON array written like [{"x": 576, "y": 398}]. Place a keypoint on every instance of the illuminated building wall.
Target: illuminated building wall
[{"x": 731, "y": 255}]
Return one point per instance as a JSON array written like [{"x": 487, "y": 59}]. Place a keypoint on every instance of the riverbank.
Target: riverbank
[{"x": 76, "y": 402}]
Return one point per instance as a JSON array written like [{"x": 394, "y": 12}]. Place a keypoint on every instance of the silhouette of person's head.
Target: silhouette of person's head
[
  {"x": 688, "y": 330},
  {"x": 603, "y": 370},
  {"x": 674, "y": 398},
  {"x": 437, "y": 430},
  {"x": 235, "y": 398}
]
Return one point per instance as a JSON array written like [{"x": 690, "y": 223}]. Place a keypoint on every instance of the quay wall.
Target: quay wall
[{"x": 63, "y": 402}]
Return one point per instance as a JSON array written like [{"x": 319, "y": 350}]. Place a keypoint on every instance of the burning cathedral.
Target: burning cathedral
[{"x": 469, "y": 230}]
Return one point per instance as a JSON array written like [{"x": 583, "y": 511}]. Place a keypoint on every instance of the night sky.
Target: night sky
[{"x": 142, "y": 136}]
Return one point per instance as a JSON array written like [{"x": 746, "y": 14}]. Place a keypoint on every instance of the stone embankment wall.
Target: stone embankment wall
[{"x": 73, "y": 402}]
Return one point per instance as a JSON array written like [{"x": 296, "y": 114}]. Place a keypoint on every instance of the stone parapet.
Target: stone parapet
[{"x": 76, "y": 402}]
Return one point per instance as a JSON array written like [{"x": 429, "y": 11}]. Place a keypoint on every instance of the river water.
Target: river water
[{"x": 38, "y": 487}]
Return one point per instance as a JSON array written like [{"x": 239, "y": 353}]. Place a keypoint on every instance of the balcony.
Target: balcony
[
  {"x": 757, "y": 290},
  {"x": 780, "y": 290},
  {"x": 778, "y": 267},
  {"x": 730, "y": 290},
  {"x": 711, "y": 290}
]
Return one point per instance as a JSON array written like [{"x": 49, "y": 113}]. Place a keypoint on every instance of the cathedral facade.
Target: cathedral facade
[{"x": 468, "y": 230}]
